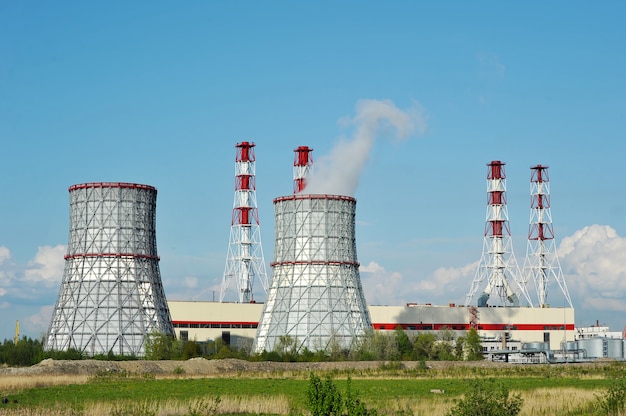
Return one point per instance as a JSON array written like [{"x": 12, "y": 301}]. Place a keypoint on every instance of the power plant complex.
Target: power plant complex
[{"x": 111, "y": 295}]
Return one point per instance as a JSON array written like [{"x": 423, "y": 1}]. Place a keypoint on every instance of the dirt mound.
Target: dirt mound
[{"x": 204, "y": 367}]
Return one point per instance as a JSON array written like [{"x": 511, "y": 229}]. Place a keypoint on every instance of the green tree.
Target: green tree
[
  {"x": 287, "y": 348},
  {"x": 26, "y": 352},
  {"x": 423, "y": 345},
  {"x": 443, "y": 351},
  {"x": 487, "y": 398},
  {"x": 191, "y": 349},
  {"x": 403, "y": 344},
  {"x": 375, "y": 345},
  {"x": 159, "y": 346},
  {"x": 473, "y": 349},
  {"x": 458, "y": 348}
]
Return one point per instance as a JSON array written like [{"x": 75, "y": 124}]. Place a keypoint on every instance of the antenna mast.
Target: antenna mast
[
  {"x": 541, "y": 262},
  {"x": 245, "y": 259},
  {"x": 497, "y": 264}
]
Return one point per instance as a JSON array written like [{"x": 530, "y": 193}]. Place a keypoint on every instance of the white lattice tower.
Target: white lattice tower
[
  {"x": 316, "y": 298},
  {"x": 497, "y": 266},
  {"x": 244, "y": 261},
  {"x": 541, "y": 262},
  {"x": 302, "y": 163},
  {"x": 111, "y": 294}
]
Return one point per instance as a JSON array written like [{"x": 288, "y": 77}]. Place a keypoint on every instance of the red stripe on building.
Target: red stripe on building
[{"x": 415, "y": 327}]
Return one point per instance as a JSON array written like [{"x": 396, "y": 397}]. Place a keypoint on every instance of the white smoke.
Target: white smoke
[{"x": 339, "y": 172}]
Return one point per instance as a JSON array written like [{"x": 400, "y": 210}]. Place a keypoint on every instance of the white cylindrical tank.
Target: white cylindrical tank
[
  {"x": 593, "y": 347},
  {"x": 615, "y": 348},
  {"x": 315, "y": 297},
  {"x": 111, "y": 295}
]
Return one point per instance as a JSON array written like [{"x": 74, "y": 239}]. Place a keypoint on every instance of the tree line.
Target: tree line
[
  {"x": 373, "y": 346},
  {"x": 443, "y": 345}
]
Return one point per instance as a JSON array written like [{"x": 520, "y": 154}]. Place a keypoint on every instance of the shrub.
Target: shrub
[
  {"x": 487, "y": 398},
  {"x": 614, "y": 400},
  {"x": 325, "y": 399}
]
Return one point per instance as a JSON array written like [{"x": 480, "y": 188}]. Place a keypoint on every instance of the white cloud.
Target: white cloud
[
  {"x": 381, "y": 287},
  {"x": 448, "y": 278},
  {"x": 446, "y": 284},
  {"x": 40, "y": 321},
  {"x": 47, "y": 266},
  {"x": 5, "y": 254},
  {"x": 190, "y": 282},
  {"x": 592, "y": 260},
  {"x": 3, "y": 291}
]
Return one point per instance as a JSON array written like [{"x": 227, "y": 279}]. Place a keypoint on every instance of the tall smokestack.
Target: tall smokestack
[
  {"x": 542, "y": 263},
  {"x": 244, "y": 261},
  {"x": 302, "y": 162},
  {"x": 497, "y": 264},
  {"x": 316, "y": 296},
  {"x": 111, "y": 295}
]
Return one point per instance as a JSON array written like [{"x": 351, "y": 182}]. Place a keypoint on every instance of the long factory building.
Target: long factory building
[{"x": 206, "y": 321}]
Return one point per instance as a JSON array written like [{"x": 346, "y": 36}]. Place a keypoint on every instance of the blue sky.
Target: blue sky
[{"x": 160, "y": 92}]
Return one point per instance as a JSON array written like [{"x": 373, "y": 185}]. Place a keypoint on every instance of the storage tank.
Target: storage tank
[
  {"x": 536, "y": 346},
  {"x": 615, "y": 348},
  {"x": 593, "y": 347},
  {"x": 571, "y": 346}
]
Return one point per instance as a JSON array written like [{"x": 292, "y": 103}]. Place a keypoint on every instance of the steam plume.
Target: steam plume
[{"x": 339, "y": 172}]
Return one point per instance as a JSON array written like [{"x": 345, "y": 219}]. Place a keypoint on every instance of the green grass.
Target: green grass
[
  {"x": 381, "y": 388},
  {"x": 131, "y": 388}
]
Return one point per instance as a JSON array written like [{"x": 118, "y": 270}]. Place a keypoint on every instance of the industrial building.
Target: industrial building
[{"x": 238, "y": 322}]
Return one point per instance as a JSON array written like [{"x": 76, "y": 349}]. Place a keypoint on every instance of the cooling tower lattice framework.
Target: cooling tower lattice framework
[
  {"x": 316, "y": 296},
  {"x": 111, "y": 294}
]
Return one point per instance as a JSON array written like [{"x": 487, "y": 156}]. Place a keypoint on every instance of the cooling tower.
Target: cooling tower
[
  {"x": 111, "y": 294},
  {"x": 316, "y": 296}
]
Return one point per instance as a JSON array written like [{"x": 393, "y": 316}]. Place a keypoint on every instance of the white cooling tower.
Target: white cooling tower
[
  {"x": 316, "y": 296},
  {"x": 111, "y": 295}
]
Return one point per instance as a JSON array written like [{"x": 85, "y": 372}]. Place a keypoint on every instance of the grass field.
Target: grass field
[{"x": 546, "y": 390}]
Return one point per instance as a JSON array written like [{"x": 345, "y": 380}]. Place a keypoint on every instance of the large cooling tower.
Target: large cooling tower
[
  {"x": 111, "y": 295},
  {"x": 316, "y": 296}
]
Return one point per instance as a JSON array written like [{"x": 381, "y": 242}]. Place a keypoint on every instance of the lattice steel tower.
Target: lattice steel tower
[
  {"x": 497, "y": 264},
  {"x": 316, "y": 297},
  {"x": 111, "y": 294},
  {"x": 244, "y": 260},
  {"x": 542, "y": 263},
  {"x": 302, "y": 163}
]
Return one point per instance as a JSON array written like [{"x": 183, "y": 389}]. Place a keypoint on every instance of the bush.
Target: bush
[
  {"x": 324, "y": 399},
  {"x": 614, "y": 400},
  {"x": 487, "y": 398}
]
